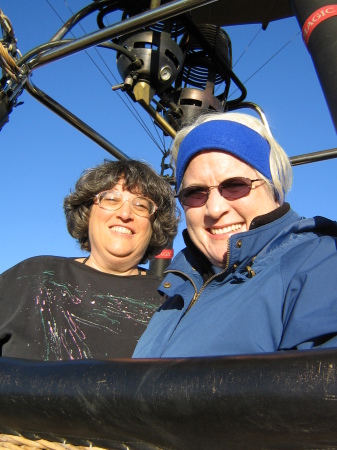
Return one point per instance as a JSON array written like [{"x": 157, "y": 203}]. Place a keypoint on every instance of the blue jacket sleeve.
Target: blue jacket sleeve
[{"x": 310, "y": 309}]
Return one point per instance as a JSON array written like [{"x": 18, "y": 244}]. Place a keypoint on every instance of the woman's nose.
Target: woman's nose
[
  {"x": 216, "y": 205},
  {"x": 125, "y": 211}
]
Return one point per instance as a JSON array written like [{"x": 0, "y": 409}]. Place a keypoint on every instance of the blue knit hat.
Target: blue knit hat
[{"x": 230, "y": 137}]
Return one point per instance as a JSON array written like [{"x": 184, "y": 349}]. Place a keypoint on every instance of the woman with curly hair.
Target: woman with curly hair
[{"x": 54, "y": 308}]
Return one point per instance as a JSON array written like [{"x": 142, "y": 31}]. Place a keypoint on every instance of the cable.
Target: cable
[
  {"x": 163, "y": 150},
  {"x": 130, "y": 107},
  {"x": 272, "y": 57},
  {"x": 246, "y": 49}
]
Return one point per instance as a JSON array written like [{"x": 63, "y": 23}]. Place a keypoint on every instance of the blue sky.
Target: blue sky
[{"x": 41, "y": 156}]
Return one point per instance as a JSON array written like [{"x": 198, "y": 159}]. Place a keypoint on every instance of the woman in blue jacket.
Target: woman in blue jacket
[{"x": 254, "y": 276}]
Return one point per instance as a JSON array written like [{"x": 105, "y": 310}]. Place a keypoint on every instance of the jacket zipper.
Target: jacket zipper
[{"x": 196, "y": 293}]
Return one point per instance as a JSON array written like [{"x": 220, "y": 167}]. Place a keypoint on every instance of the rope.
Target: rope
[{"x": 8, "y": 59}]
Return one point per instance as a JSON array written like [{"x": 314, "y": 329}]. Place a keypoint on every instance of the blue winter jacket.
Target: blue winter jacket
[{"x": 277, "y": 292}]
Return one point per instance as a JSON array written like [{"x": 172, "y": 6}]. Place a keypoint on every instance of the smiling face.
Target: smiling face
[
  {"x": 118, "y": 239},
  {"x": 211, "y": 225}
]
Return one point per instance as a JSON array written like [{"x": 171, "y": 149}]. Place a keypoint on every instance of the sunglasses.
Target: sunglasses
[{"x": 230, "y": 189}]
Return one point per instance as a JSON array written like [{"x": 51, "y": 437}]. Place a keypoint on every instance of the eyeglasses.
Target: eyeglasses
[
  {"x": 230, "y": 189},
  {"x": 113, "y": 200}
]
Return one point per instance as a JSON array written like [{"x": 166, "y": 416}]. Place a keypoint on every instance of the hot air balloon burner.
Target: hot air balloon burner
[
  {"x": 204, "y": 69},
  {"x": 161, "y": 58}
]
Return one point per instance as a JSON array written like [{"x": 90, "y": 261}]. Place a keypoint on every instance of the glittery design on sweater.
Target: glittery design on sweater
[{"x": 67, "y": 317}]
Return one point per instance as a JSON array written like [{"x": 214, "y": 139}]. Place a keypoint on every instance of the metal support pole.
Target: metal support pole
[
  {"x": 313, "y": 157},
  {"x": 162, "y": 261},
  {"x": 77, "y": 123},
  {"x": 318, "y": 21},
  {"x": 126, "y": 26}
]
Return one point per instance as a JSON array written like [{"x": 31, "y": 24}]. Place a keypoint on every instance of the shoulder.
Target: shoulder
[
  {"x": 295, "y": 233},
  {"x": 41, "y": 259},
  {"x": 316, "y": 234},
  {"x": 35, "y": 264},
  {"x": 308, "y": 255}
]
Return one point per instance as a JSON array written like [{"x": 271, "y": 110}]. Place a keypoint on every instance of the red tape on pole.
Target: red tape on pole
[
  {"x": 317, "y": 17},
  {"x": 167, "y": 253}
]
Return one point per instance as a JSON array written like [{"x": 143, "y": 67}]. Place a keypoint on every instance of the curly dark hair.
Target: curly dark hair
[{"x": 139, "y": 178}]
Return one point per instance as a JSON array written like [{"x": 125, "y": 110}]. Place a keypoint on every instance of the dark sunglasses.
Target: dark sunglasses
[{"x": 230, "y": 189}]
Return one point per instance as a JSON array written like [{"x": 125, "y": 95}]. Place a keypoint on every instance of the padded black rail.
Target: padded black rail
[{"x": 283, "y": 400}]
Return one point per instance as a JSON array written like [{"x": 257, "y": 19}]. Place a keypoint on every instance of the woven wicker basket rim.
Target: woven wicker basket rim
[{"x": 15, "y": 442}]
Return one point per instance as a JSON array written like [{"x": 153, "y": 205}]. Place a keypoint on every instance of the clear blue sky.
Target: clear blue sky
[{"x": 41, "y": 156}]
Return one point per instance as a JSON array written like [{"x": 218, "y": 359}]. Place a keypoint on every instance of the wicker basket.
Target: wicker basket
[{"x": 19, "y": 442}]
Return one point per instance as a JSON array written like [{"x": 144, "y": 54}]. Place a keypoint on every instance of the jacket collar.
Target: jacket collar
[
  {"x": 240, "y": 254},
  {"x": 277, "y": 213}
]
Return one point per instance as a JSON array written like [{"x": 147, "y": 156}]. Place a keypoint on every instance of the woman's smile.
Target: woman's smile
[{"x": 213, "y": 223}]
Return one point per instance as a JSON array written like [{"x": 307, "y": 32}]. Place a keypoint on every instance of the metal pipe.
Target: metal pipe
[
  {"x": 126, "y": 26},
  {"x": 87, "y": 10},
  {"x": 74, "y": 121},
  {"x": 256, "y": 108},
  {"x": 313, "y": 157},
  {"x": 164, "y": 125}
]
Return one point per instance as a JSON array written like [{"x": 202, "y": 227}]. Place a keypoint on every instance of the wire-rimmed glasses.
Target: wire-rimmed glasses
[{"x": 114, "y": 200}]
